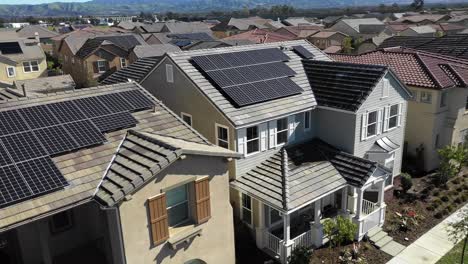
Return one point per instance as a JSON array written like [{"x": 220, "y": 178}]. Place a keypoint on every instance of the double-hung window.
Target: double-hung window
[
  {"x": 123, "y": 63},
  {"x": 307, "y": 120},
  {"x": 11, "y": 72},
  {"x": 177, "y": 205},
  {"x": 222, "y": 136},
  {"x": 246, "y": 209},
  {"x": 426, "y": 97},
  {"x": 30, "y": 66},
  {"x": 252, "y": 139},
  {"x": 102, "y": 66},
  {"x": 393, "y": 116},
  {"x": 371, "y": 126},
  {"x": 281, "y": 131}
]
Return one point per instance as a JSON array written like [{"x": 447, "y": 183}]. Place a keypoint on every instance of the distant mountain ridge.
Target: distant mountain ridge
[{"x": 100, "y": 7}]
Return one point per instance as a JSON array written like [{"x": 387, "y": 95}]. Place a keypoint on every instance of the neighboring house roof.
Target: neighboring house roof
[
  {"x": 156, "y": 50},
  {"x": 152, "y": 28},
  {"x": 259, "y": 111},
  {"x": 259, "y": 36},
  {"x": 333, "y": 49},
  {"x": 135, "y": 71},
  {"x": 357, "y": 23},
  {"x": 84, "y": 168},
  {"x": 457, "y": 19},
  {"x": 421, "y": 18},
  {"x": 302, "y": 173},
  {"x": 207, "y": 45},
  {"x": 125, "y": 42},
  {"x": 450, "y": 45},
  {"x": 426, "y": 29},
  {"x": 187, "y": 27},
  {"x": 344, "y": 86},
  {"x": 129, "y": 25},
  {"x": 422, "y": 69},
  {"x": 398, "y": 27},
  {"x": 249, "y": 23},
  {"x": 46, "y": 85},
  {"x": 275, "y": 24},
  {"x": 22, "y": 52},
  {"x": 302, "y": 31},
  {"x": 7, "y": 34},
  {"x": 203, "y": 36},
  {"x": 30, "y": 31},
  {"x": 331, "y": 19},
  {"x": 446, "y": 27},
  {"x": 326, "y": 34},
  {"x": 141, "y": 156},
  {"x": 296, "y": 21},
  {"x": 237, "y": 42}
]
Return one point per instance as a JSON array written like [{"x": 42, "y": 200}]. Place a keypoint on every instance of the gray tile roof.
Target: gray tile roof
[
  {"x": 84, "y": 169},
  {"x": 124, "y": 41},
  {"x": 46, "y": 84},
  {"x": 302, "y": 173},
  {"x": 29, "y": 52},
  {"x": 342, "y": 85},
  {"x": 30, "y": 30},
  {"x": 261, "y": 111},
  {"x": 156, "y": 50},
  {"x": 140, "y": 157},
  {"x": 135, "y": 71}
]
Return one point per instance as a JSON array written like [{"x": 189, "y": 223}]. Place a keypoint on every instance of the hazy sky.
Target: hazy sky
[{"x": 33, "y": 2}]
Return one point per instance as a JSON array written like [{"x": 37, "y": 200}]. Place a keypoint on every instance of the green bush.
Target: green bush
[
  {"x": 437, "y": 202},
  {"x": 430, "y": 208},
  {"x": 406, "y": 182},
  {"x": 456, "y": 181},
  {"x": 300, "y": 255},
  {"x": 444, "y": 198},
  {"x": 436, "y": 193},
  {"x": 449, "y": 208},
  {"x": 339, "y": 230}
]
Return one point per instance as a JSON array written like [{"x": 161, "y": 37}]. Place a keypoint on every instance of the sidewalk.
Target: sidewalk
[{"x": 430, "y": 247}]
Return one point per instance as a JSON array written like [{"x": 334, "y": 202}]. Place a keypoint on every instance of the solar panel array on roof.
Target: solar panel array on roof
[
  {"x": 10, "y": 48},
  {"x": 30, "y": 136},
  {"x": 250, "y": 77},
  {"x": 303, "y": 52}
]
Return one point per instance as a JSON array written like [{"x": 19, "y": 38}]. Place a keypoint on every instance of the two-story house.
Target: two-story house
[
  {"x": 21, "y": 60},
  {"x": 110, "y": 175},
  {"x": 437, "y": 112},
  {"x": 259, "y": 100}
]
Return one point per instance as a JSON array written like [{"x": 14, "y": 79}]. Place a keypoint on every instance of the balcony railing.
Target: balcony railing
[
  {"x": 304, "y": 240},
  {"x": 368, "y": 207},
  {"x": 273, "y": 243}
]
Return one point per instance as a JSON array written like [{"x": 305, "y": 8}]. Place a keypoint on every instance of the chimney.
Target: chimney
[{"x": 36, "y": 36}]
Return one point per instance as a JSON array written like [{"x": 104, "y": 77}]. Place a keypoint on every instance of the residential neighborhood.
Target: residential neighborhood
[{"x": 249, "y": 138}]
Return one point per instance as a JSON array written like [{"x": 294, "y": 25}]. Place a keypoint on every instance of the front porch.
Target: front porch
[{"x": 300, "y": 228}]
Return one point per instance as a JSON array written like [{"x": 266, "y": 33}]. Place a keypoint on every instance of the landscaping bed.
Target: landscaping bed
[
  {"x": 423, "y": 207},
  {"x": 371, "y": 254}
]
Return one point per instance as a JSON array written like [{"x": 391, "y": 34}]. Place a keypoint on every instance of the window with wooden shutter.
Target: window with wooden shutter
[
  {"x": 202, "y": 200},
  {"x": 158, "y": 218}
]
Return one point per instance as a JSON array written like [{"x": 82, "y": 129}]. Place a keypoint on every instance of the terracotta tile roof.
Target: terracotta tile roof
[
  {"x": 260, "y": 36},
  {"x": 416, "y": 68}
]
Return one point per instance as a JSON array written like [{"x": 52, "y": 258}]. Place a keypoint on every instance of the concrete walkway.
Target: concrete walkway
[{"x": 430, "y": 247}]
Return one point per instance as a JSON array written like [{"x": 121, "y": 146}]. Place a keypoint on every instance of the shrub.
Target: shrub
[
  {"x": 300, "y": 255},
  {"x": 339, "y": 230},
  {"x": 444, "y": 198},
  {"x": 438, "y": 215},
  {"x": 406, "y": 182},
  {"x": 430, "y": 208},
  {"x": 459, "y": 189},
  {"x": 456, "y": 181},
  {"x": 352, "y": 256},
  {"x": 449, "y": 208},
  {"x": 407, "y": 219},
  {"x": 437, "y": 202},
  {"x": 436, "y": 193}
]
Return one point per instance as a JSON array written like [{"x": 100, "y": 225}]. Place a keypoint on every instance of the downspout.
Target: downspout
[{"x": 121, "y": 247}]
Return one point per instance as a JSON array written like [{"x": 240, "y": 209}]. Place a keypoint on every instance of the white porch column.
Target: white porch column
[
  {"x": 359, "y": 203},
  {"x": 352, "y": 200},
  {"x": 287, "y": 242},
  {"x": 344, "y": 200},
  {"x": 260, "y": 230},
  {"x": 317, "y": 228},
  {"x": 381, "y": 202}
]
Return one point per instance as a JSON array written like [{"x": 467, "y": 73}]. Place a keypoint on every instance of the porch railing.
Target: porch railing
[
  {"x": 304, "y": 240},
  {"x": 273, "y": 243},
  {"x": 368, "y": 207}
]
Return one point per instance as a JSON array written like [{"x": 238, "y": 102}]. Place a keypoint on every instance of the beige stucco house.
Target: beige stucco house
[
  {"x": 120, "y": 179},
  {"x": 437, "y": 112}
]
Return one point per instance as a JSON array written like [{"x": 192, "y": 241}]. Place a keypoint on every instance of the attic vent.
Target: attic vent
[{"x": 303, "y": 52}]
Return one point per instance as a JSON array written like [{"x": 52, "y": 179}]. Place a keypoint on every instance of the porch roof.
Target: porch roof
[
  {"x": 296, "y": 175},
  {"x": 384, "y": 145}
]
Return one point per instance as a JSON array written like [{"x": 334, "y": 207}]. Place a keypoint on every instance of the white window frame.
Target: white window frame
[
  {"x": 242, "y": 195},
  {"x": 286, "y": 130},
  {"x": 389, "y": 116},
  {"x": 99, "y": 66},
  {"x": 8, "y": 72},
  {"x": 217, "y": 135},
  {"x": 182, "y": 115},
  {"x": 169, "y": 73},
  {"x": 309, "y": 118},
  {"x": 386, "y": 161},
  {"x": 187, "y": 201},
  {"x": 365, "y": 124},
  {"x": 123, "y": 63},
  {"x": 247, "y": 140},
  {"x": 29, "y": 64},
  {"x": 271, "y": 224},
  {"x": 426, "y": 97}
]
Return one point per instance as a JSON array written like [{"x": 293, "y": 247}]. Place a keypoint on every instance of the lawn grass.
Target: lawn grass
[{"x": 454, "y": 255}]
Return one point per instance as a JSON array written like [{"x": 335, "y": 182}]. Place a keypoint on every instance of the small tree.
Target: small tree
[
  {"x": 452, "y": 160},
  {"x": 300, "y": 255},
  {"x": 459, "y": 230},
  {"x": 406, "y": 182},
  {"x": 347, "y": 45},
  {"x": 339, "y": 230}
]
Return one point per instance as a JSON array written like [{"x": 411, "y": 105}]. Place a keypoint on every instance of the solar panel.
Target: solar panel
[
  {"x": 303, "y": 52},
  {"x": 23, "y": 146},
  {"x": 66, "y": 111},
  {"x": 11, "y": 122},
  {"x": 137, "y": 99},
  {"x": 92, "y": 107},
  {"x": 13, "y": 187},
  {"x": 114, "y": 121},
  {"x": 4, "y": 158},
  {"x": 42, "y": 175},
  {"x": 115, "y": 102},
  {"x": 85, "y": 133},
  {"x": 10, "y": 48},
  {"x": 56, "y": 140},
  {"x": 38, "y": 116}
]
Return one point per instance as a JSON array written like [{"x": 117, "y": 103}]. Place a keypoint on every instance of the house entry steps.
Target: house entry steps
[{"x": 384, "y": 242}]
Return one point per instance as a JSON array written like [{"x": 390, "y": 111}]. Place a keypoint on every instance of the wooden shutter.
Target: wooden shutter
[
  {"x": 385, "y": 88},
  {"x": 272, "y": 133},
  {"x": 241, "y": 140},
  {"x": 379, "y": 121},
  {"x": 158, "y": 218},
  {"x": 95, "y": 67},
  {"x": 364, "y": 126},
  {"x": 386, "y": 118},
  {"x": 202, "y": 200},
  {"x": 400, "y": 111},
  {"x": 263, "y": 136}
]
